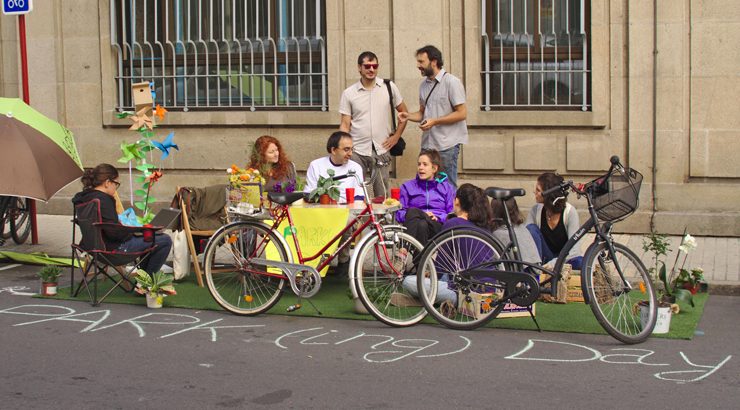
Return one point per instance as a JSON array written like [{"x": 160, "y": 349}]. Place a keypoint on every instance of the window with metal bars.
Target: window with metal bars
[
  {"x": 222, "y": 54},
  {"x": 536, "y": 55}
]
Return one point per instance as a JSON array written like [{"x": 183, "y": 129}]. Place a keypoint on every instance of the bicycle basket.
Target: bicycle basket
[
  {"x": 616, "y": 195},
  {"x": 244, "y": 199}
]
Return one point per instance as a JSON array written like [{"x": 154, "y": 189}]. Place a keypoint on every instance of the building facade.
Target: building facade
[{"x": 552, "y": 85}]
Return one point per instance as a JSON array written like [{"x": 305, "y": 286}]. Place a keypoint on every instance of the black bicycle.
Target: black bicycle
[
  {"x": 474, "y": 269},
  {"x": 15, "y": 218}
]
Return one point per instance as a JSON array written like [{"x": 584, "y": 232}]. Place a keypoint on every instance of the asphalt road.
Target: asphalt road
[{"x": 59, "y": 354}]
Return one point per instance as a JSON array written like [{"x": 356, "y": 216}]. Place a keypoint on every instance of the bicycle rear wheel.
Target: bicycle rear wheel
[
  {"x": 20, "y": 220},
  {"x": 235, "y": 282},
  {"x": 616, "y": 306},
  {"x": 449, "y": 291},
  {"x": 379, "y": 279}
]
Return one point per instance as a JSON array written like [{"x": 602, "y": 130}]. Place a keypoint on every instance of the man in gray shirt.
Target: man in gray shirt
[{"x": 442, "y": 110}]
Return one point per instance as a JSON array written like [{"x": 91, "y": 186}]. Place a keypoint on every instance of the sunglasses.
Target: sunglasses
[{"x": 369, "y": 66}]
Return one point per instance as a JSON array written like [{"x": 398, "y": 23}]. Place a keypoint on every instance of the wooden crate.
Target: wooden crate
[{"x": 575, "y": 293}]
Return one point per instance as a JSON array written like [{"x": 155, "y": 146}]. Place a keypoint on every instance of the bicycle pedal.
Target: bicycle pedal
[{"x": 292, "y": 308}]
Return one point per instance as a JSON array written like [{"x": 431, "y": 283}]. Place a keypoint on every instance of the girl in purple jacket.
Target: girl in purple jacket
[{"x": 427, "y": 199}]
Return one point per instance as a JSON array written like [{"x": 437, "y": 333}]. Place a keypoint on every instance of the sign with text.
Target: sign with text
[{"x": 14, "y": 7}]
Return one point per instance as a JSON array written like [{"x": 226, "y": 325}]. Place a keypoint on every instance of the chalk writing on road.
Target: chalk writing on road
[
  {"x": 543, "y": 351},
  {"x": 17, "y": 290},
  {"x": 384, "y": 348},
  {"x": 381, "y": 348},
  {"x": 96, "y": 318}
]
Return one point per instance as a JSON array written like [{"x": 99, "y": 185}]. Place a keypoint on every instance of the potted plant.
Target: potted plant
[
  {"x": 326, "y": 191},
  {"x": 690, "y": 280},
  {"x": 49, "y": 279},
  {"x": 155, "y": 287},
  {"x": 668, "y": 289}
]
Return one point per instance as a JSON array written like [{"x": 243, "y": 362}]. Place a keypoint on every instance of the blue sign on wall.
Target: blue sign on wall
[{"x": 12, "y": 7}]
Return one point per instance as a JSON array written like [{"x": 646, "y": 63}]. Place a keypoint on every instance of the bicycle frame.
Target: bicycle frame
[
  {"x": 283, "y": 213},
  {"x": 602, "y": 231}
]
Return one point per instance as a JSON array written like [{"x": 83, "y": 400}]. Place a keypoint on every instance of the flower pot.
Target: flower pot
[
  {"x": 325, "y": 199},
  {"x": 48, "y": 288},
  {"x": 692, "y": 288},
  {"x": 662, "y": 322},
  {"x": 154, "y": 301},
  {"x": 359, "y": 307}
]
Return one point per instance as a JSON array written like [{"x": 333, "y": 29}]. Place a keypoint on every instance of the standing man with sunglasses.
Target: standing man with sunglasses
[
  {"x": 366, "y": 114},
  {"x": 442, "y": 110}
]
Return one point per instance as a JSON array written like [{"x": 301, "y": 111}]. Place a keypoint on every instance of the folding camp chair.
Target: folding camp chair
[{"x": 97, "y": 262}]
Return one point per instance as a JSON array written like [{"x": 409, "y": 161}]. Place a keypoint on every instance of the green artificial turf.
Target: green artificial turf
[{"x": 333, "y": 302}]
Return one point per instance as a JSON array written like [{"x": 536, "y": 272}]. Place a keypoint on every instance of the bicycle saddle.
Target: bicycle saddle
[
  {"x": 285, "y": 198},
  {"x": 502, "y": 194}
]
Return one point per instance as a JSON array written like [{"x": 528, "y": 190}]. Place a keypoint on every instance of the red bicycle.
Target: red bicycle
[{"x": 249, "y": 262}]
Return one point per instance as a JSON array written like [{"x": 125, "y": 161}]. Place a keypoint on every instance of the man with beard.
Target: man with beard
[{"x": 442, "y": 110}]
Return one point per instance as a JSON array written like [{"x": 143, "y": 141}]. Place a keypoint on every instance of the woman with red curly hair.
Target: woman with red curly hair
[{"x": 270, "y": 159}]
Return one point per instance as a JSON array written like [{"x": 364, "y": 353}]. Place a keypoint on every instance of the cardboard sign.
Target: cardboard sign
[{"x": 314, "y": 227}]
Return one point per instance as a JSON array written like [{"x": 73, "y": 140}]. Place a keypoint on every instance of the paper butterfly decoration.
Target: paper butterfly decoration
[
  {"x": 160, "y": 111},
  {"x": 165, "y": 145},
  {"x": 140, "y": 119},
  {"x": 130, "y": 152}
]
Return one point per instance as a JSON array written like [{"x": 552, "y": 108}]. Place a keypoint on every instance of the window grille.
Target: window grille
[
  {"x": 535, "y": 55},
  {"x": 222, "y": 54}
]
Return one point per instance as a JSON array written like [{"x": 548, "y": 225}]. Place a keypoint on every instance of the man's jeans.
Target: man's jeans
[
  {"x": 380, "y": 183},
  {"x": 449, "y": 162}
]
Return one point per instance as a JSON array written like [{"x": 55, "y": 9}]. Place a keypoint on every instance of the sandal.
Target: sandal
[{"x": 448, "y": 310}]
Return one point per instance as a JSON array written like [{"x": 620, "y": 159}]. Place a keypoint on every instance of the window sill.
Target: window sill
[
  {"x": 235, "y": 118},
  {"x": 575, "y": 119}
]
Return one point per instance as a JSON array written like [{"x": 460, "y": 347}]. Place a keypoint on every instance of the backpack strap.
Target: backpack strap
[{"x": 390, "y": 98}]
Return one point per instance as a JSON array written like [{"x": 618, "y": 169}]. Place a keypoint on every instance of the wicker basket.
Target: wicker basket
[{"x": 616, "y": 195}]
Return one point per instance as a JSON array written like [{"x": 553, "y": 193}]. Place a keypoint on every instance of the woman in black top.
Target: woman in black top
[{"x": 102, "y": 183}]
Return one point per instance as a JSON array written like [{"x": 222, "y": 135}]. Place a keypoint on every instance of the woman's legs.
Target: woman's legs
[
  {"x": 156, "y": 259},
  {"x": 443, "y": 292},
  {"x": 419, "y": 225},
  {"x": 545, "y": 253}
]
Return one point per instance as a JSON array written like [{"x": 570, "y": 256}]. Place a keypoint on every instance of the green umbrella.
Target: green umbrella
[{"x": 38, "y": 156}]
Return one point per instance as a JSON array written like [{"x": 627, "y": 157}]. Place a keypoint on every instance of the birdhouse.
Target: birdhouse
[{"x": 142, "y": 96}]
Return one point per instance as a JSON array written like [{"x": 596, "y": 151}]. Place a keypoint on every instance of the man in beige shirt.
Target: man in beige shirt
[{"x": 366, "y": 115}]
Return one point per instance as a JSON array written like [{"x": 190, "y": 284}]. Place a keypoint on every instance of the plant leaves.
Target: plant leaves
[
  {"x": 145, "y": 167},
  {"x": 140, "y": 192},
  {"x": 140, "y": 204},
  {"x": 662, "y": 277}
]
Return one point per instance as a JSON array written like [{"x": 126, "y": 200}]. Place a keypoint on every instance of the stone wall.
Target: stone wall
[{"x": 694, "y": 126}]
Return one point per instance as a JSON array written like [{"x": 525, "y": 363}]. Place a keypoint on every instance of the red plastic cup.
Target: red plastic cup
[
  {"x": 396, "y": 193},
  {"x": 148, "y": 234},
  {"x": 350, "y": 194}
]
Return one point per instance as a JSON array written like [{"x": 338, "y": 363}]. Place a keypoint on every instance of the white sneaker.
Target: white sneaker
[{"x": 166, "y": 269}]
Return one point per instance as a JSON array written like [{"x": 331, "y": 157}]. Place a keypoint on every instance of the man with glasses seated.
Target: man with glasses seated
[{"x": 339, "y": 147}]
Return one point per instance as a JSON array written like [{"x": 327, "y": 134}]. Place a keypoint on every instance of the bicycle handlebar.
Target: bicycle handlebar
[{"x": 580, "y": 189}]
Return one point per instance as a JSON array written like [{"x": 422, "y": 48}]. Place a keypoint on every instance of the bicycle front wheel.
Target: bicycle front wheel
[
  {"x": 380, "y": 267},
  {"x": 449, "y": 290},
  {"x": 20, "y": 220},
  {"x": 238, "y": 284},
  {"x": 618, "y": 305}
]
